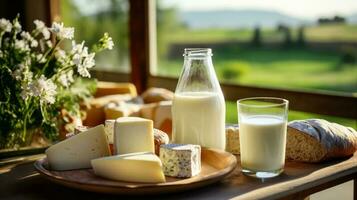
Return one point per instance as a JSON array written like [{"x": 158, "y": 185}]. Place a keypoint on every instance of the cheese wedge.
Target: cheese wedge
[
  {"x": 136, "y": 167},
  {"x": 77, "y": 151},
  {"x": 133, "y": 134}
]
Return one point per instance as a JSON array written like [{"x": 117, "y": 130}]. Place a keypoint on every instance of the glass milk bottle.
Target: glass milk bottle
[{"x": 198, "y": 108}]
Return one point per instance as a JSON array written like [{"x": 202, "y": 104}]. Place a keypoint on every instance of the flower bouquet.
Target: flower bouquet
[{"x": 41, "y": 82}]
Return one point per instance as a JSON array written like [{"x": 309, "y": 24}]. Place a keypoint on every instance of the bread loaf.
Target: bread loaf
[
  {"x": 312, "y": 140},
  {"x": 315, "y": 140},
  {"x": 153, "y": 95},
  {"x": 160, "y": 138},
  {"x": 232, "y": 139}
]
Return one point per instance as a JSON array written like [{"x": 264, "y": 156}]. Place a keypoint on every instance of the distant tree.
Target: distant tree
[
  {"x": 287, "y": 34},
  {"x": 257, "y": 38},
  {"x": 332, "y": 20},
  {"x": 301, "y": 36}
]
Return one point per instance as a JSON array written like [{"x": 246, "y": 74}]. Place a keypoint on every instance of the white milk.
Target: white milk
[
  {"x": 199, "y": 118},
  {"x": 262, "y": 142}
]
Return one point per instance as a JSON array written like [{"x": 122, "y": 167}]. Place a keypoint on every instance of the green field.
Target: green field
[
  {"x": 286, "y": 67},
  {"x": 283, "y": 68}
]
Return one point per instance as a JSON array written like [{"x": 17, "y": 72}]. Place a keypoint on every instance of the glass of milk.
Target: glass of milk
[
  {"x": 262, "y": 134},
  {"x": 198, "y": 107}
]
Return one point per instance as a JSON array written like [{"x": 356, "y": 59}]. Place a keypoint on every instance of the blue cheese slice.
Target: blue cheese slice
[{"x": 181, "y": 160}]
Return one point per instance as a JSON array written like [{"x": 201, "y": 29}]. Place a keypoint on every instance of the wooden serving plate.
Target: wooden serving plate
[{"x": 216, "y": 165}]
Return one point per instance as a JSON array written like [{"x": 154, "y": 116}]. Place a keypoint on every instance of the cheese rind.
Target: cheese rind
[
  {"x": 77, "y": 151},
  {"x": 135, "y": 167},
  {"x": 133, "y": 134},
  {"x": 109, "y": 129},
  {"x": 181, "y": 160}
]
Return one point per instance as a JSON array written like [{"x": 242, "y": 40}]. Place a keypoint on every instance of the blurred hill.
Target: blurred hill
[{"x": 352, "y": 18}]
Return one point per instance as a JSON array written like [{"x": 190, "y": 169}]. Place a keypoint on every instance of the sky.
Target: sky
[{"x": 309, "y": 9}]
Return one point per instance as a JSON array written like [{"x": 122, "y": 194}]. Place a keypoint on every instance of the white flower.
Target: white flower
[
  {"x": 79, "y": 49},
  {"x": 62, "y": 32},
  {"x": 83, "y": 71},
  {"x": 56, "y": 27},
  {"x": 43, "y": 88},
  {"x": 39, "y": 24},
  {"x": 34, "y": 43},
  {"x": 60, "y": 55},
  {"x": 21, "y": 45},
  {"x": 46, "y": 33},
  {"x": 70, "y": 76},
  {"x": 82, "y": 59},
  {"x": 108, "y": 43},
  {"x": 77, "y": 59},
  {"x": 40, "y": 58},
  {"x": 49, "y": 44},
  {"x": 17, "y": 26},
  {"x": 63, "y": 80},
  {"x": 41, "y": 27},
  {"x": 66, "y": 79},
  {"x": 5, "y": 25},
  {"x": 89, "y": 61},
  {"x": 26, "y": 35}
]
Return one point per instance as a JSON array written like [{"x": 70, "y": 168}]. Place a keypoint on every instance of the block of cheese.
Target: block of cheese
[
  {"x": 133, "y": 134},
  {"x": 77, "y": 151},
  {"x": 181, "y": 160},
  {"x": 110, "y": 88},
  {"x": 122, "y": 109},
  {"x": 134, "y": 167},
  {"x": 232, "y": 139}
]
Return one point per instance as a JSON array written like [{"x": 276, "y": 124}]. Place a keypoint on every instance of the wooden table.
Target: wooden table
[{"x": 19, "y": 180}]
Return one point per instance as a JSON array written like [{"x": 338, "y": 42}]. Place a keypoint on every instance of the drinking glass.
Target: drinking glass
[{"x": 262, "y": 133}]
